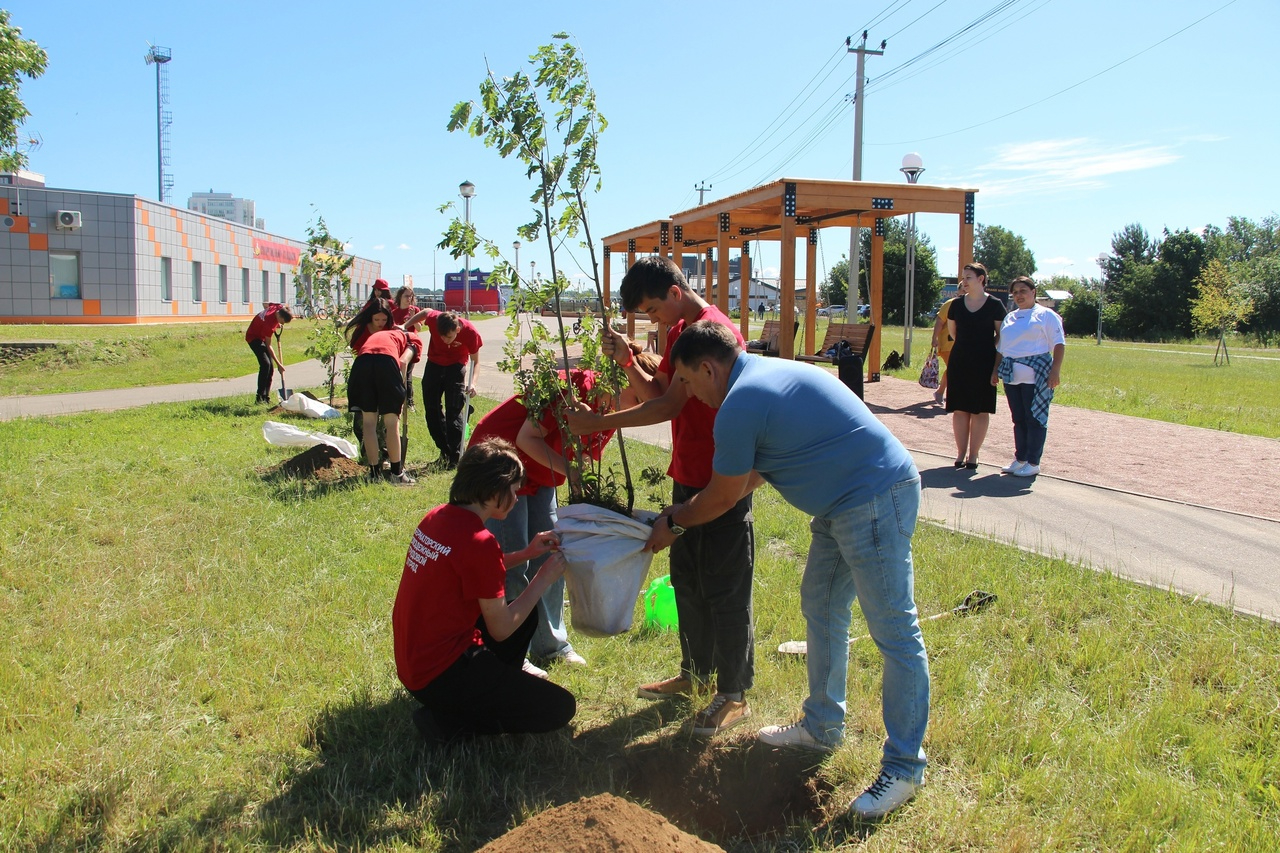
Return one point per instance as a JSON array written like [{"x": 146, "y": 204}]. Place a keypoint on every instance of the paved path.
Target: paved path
[{"x": 1226, "y": 557}]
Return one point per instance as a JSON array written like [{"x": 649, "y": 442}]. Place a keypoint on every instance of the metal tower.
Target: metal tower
[{"x": 159, "y": 57}]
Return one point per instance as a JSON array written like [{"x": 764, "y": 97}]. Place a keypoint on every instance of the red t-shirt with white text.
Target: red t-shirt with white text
[{"x": 453, "y": 563}]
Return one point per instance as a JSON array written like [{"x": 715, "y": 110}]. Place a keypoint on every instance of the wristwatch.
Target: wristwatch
[{"x": 675, "y": 528}]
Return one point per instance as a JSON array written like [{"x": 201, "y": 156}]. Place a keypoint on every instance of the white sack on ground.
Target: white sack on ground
[
  {"x": 303, "y": 405},
  {"x": 605, "y": 566},
  {"x": 284, "y": 435}
]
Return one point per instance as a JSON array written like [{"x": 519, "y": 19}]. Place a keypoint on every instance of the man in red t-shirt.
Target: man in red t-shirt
[
  {"x": 454, "y": 343},
  {"x": 711, "y": 565},
  {"x": 258, "y": 336}
]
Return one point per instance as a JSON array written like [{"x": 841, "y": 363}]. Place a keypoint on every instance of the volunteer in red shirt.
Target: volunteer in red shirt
[
  {"x": 403, "y": 307},
  {"x": 541, "y": 445},
  {"x": 258, "y": 336},
  {"x": 454, "y": 345},
  {"x": 376, "y": 383},
  {"x": 711, "y": 565},
  {"x": 459, "y": 644}
]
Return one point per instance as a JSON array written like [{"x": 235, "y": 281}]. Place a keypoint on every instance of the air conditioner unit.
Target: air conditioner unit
[{"x": 68, "y": 220}]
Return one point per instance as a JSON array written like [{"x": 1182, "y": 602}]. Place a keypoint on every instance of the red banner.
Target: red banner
[{"x": 265, "y": 250}]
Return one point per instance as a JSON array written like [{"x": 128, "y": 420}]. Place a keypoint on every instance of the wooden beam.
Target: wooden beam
[
  {"x": 876, "y": 295},
  {"x": 811, "y": 302},
  {"x": 722, "y": 269},
  {"x": 787, "y": 283},
  {"x": 744, "y": 292}
]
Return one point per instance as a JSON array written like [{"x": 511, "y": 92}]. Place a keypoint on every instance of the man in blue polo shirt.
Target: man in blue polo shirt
[{"x": 801, "y": 430}]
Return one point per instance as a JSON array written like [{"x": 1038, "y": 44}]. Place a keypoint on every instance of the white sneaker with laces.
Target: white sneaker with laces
[
  {"x": 531, "y": 669},
  {"x": 1012, "y": 467},
  {"x": 573, "y": 658},
  {"x": 885, "y": 794},
  {"x": 1027, "y": 470},
  {"x": 794, "y": 736}
]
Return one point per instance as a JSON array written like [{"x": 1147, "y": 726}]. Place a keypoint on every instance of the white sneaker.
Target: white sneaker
[
  {"x": 573, "y": 658},
  {"x": 535, "y": 671},
  {"x": 1012, "y": 467},
  {"x": 794, "y": 736},
  {"x": 1027, "y": 470},
  {"x": 885, "y": 794}
]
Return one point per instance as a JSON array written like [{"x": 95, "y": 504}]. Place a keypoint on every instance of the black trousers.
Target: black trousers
[
  {"x": 485, "y": 692},
  {"x": 711, "y": 570},
  {"x": 266, "y": 368},
  {"x": 445, "y": 383}
]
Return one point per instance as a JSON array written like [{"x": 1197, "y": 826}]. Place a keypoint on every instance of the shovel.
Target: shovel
[
  {"x": 466, "y": 421},
  {"x": 404, "y": 432},
  {"x": 285, "y": 393},
  {"x": 973, "y": 602}
]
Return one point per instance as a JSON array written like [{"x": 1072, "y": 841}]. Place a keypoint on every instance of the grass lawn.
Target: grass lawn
[
  {"x": 198, "y": 656},
  {"x": 95, "y": 358}
]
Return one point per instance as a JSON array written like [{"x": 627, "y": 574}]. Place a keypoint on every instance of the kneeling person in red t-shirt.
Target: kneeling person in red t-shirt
[{"x": 460, "y": 646}]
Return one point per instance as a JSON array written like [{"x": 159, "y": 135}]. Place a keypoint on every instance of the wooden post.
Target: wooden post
[
  {"x": 876, "y": 295},
  {"x": 631, "y": 261},
  {"x": 811, "y": 303},
  {"x": 605, "y": 286},
  {"x": 722, "y": 271},
  {"x": 744, "y": 291},
  {"x": 787, "y": 274}
]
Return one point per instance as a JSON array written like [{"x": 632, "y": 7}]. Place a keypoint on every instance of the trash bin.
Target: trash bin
[{"x": 849, "y": 368}]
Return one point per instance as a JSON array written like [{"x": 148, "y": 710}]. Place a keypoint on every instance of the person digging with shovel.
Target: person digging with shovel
[{"x": 264, "y": 324}]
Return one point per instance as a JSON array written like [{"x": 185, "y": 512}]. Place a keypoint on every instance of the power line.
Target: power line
[
  {"x": 779, "y": 121},
  {"x": 916, "y": 21},
  {"x": 1075, "y": 85}
]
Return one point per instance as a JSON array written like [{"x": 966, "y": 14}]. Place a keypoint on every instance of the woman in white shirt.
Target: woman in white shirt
[{"x": 1029, "y": 361}]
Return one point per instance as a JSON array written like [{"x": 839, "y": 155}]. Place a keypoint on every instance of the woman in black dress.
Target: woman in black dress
[{"x": 974, "y": 322}]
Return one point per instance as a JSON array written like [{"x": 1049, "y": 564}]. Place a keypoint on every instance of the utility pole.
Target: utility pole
[
  {"x": 702, "y": 188},
  {"x": 855, "y": 234}
]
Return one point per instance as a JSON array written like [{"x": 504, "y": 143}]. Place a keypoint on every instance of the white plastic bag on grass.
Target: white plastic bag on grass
[
  {"x": 605, "y": 565},
  {"x": 284, "y": 435},
  {"x": 303, "y": 405}
]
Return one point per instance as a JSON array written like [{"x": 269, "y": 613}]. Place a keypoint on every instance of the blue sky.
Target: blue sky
[{"x": 341, "y": 109}]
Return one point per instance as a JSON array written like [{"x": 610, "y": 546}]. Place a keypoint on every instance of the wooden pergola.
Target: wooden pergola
[{"x": 787, "y": 210}]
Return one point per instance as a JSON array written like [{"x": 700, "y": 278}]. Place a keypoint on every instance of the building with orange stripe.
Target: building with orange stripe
[{"x": 74, "y": 256}]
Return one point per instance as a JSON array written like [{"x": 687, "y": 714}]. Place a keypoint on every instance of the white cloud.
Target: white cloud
[
  {"x": 1061, "y": 261},
  {"x": 404, "y": 246},
  {"x": 379, "y": 247},
  {"x": 1061, "y": 164}
]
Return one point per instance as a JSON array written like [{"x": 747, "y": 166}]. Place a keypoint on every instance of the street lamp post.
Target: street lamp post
[
  {"x": 516, "y": 268},
  {"x": 467, "y": 189},
  {"x": 1102, "y": 292},
  {"x": 912, "y": 167}
]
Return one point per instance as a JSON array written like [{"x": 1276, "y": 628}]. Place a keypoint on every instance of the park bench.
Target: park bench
[
  {"x": 770, "y": 338},
  {"x": 856, "y": 335}
]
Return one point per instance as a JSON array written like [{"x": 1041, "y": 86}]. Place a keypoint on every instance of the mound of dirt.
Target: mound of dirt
[
  {"x": 592, "y": 824},
  {"x": 322, "y": 462}
]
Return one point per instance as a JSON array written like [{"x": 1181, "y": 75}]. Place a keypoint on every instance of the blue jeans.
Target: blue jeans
[
  {"x": 865, "y": 553},
  {"x": 534, "y": 514},
  {"x": 1028, "y": 433}
]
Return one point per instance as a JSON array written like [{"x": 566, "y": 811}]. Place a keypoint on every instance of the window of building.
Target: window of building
[
  {"x": 166, "y": 279},
  {"x": 244, "y": 286},
  {"x": 64, "y": 275},
  {"x": 282, "y": 284},
  {"x": 222, "y": 283},
  {"x": 197, "y": 289},
  {"x": 266, "y": 286}
]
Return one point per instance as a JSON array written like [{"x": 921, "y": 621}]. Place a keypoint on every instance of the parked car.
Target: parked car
[
  {"x": 836, "y": 310},
  {"x": 864, "y": 310}
]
